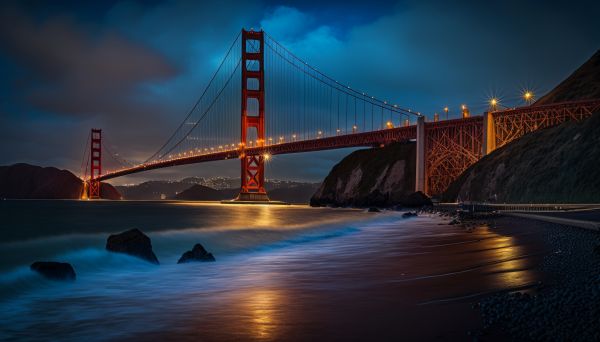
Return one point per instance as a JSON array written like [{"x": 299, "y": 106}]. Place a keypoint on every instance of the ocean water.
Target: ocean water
[
  {"x": 115, "y": 290},
  {"x": 282, "y": 273}
]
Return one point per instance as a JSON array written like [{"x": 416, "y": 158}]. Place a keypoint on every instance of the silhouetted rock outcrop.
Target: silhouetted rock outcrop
[
  {"x": 377, "y": 177},
  {"x": 197, "y": 254},
  {"x": 24, "y": 181},
  {"x": 416, "y": 200},
  {"x": 54, "y": 270},
  {"x": 132, "y": 242}
]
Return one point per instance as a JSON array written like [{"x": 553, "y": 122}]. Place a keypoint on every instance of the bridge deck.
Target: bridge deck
[{"x": 374, "y": 138}]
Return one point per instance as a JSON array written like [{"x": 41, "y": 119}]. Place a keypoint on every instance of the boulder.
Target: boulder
[
  {"x": 198, "y": 253},
  {"x": 54, "y": 270},
  {"x": 132, "y": 242},
  {"x": 374, "y": 210},
  {"x": 416, "y": 200},
  {"x": 409, "y": 214}
]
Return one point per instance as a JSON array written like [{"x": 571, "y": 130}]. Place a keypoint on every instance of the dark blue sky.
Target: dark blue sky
[{"x": 135, "y": 68}]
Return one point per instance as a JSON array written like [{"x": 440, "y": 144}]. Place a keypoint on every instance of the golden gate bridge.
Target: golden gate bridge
[{"x": 288, "y": 106}]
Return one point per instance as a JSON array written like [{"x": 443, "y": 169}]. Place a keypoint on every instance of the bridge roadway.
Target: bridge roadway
[{"x": 370, "y": 139}]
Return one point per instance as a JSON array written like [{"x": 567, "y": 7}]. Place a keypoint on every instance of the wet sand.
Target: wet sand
[{"x": 415, "y": 280}]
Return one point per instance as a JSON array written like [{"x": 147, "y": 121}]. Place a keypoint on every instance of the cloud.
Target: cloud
[{"x": 74, "y": 73}]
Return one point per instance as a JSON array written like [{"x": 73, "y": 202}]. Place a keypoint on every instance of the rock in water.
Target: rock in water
[
  {"x": 198, "y": 253},
  {"x": 416, "y": 199},
  {"x": 132, "y": 242},
  {"x": 409, "y": 214},
  {"x": 54, "y": 270},
  {"x": 374, "y": 210}
]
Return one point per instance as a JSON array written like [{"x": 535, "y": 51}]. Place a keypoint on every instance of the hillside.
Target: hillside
[
  {"x": 582, "y": 84},
  {"x": 201, "y": 193},
  {"x": 372, "y": 177},
  {"x": 24, "y": 181},
  {"x": 554, "y": 165},
  {"x": 299, "y": 193}
]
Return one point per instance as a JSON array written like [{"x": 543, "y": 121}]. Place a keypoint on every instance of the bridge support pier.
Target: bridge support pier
[
  {"x": 253, "y": 166},
  {"x": 489, "y": 134},
  {"x": 95, "y": 164},
  {"x": 420, "y": 160}
]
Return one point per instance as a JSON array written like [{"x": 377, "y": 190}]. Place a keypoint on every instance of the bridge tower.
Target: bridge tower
[
  {"x": 253, "y": 115},
  {"x": 95, "y": 163}
]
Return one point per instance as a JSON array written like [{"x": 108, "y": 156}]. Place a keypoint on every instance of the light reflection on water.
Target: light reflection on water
[{"x": 268, "y": 283}]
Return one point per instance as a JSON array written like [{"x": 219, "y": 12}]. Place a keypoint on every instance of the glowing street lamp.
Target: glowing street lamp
[
  {"x": 354, "y": 128},
  {"x": 389, "y": 124},
  {"x": 436, "y": 117},
  {"x": 446, "y": 110},
  {"x": 465, "y": 111},
  {"x": 493, "y": 104},
  {"x": 319, "y": 134},
  {"x": 266, "y": 157},
  {"x": 293, "y": 137},
  {"x": 337, "y": 131},
  {"x": 528, "y": 96}
]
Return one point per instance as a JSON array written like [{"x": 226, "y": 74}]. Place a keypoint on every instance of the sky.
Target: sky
[{"x": 134, "y": 68}]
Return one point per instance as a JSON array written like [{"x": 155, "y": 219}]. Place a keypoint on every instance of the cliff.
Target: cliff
[
  {"x": 554, "y": 165},
  {"x": 24, "y": 181},
  {"x": 372, "y": 177}
]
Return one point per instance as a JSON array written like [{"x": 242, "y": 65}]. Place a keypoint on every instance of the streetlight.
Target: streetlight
[
  {"x": 354, "y": 128},
  {"x": 465, "y": 111},
  {"x": 493, "y": 104},
  {"x": 389, "y": 124},
  {"x": 528, "y": 96},
  {"x": 446, "y": 110}
]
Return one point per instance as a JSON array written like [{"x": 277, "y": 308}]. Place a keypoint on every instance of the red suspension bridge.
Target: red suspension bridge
[{"x": 288, "y": 106}]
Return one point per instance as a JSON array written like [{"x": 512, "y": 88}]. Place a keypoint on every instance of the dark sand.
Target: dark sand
[{"x": 420, "y": 282}]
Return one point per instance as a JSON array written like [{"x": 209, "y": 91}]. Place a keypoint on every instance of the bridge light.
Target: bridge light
[
  {"x": 446, "y": 111},
  {"x": 354, "y": 128},
  {"x": 493, "y": 103},
  {"x": 389, "y": 124},
  {"x": 465, "y": 111},
  {"x": 293, "y": 137},
  {"x": 280, "y": 139},
  {"x": 266, "y": 157},
  {"x": 337, "y": 131},
  {"x": 528, "y": 96}
]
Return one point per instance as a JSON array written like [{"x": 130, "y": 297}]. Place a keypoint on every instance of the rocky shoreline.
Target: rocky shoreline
[{"x": 565, "y": 306}]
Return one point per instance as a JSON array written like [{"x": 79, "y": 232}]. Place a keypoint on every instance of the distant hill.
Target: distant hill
[
  {"x": 583, "y": 84},
  {"x": 299, "y": 193},
  {"x": 153, "y": 190},
  {"x": 200, "y": 193},
  {"x": 282, "y": 190},
  {"x": 554, "y": 165},
  {"x": 24, "y": 181},
  {"x": 371, "y": 177}
]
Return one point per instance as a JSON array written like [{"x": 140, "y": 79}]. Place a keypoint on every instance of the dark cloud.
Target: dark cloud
[
  {"x": 76, "y": 73},
  {"x": 134, "y": 68}
]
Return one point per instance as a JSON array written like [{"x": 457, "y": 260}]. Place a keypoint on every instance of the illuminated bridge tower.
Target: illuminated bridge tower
[
  {"x": 95, "y": 164},
  {"x": 253, "y": 116}
]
